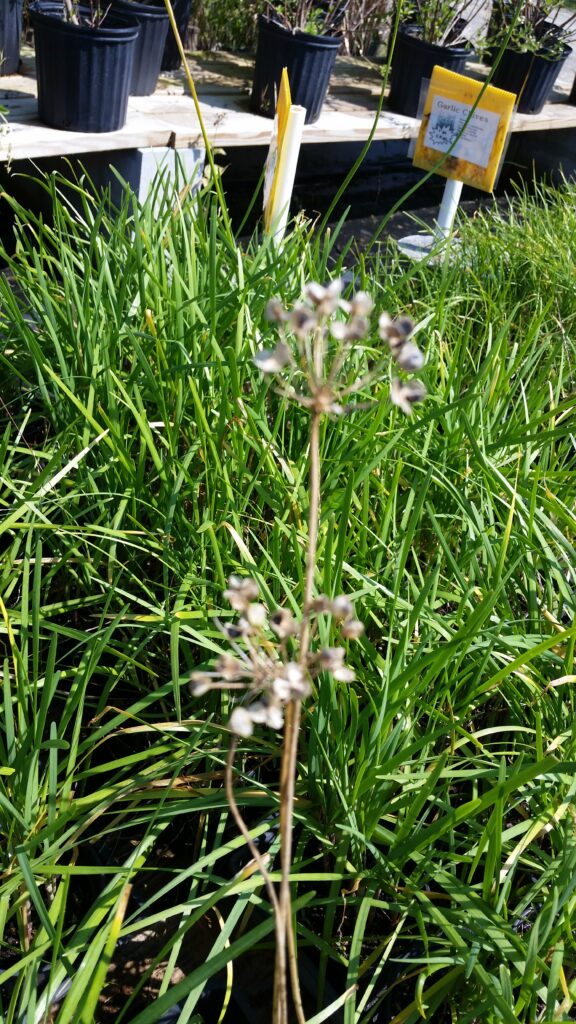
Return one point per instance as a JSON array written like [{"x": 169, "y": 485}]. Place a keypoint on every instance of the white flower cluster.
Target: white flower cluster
[
  {"x": 322, "y": 345},
  {"x": 407, "y": 355},
  {"x": 261, "y": 663}
]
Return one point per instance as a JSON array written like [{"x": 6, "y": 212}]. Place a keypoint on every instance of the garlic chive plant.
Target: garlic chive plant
[{"x": 324, "y": 362}]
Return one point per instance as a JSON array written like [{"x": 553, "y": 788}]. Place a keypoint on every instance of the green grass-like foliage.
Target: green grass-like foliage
[{"x": 143, "y": 460}]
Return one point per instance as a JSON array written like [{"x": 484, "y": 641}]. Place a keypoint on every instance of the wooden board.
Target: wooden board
[{"x": 168, "y": 118}]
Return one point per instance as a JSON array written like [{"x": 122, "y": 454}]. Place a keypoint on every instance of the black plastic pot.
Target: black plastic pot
[
  {"x": 154, "y": 25},
  {"x": 530, "y": 75},
  {"x": 10, "y": 27},
  {"x": 412, "y": 63},
  {"x": 309, "y": 59},
  {"x": 572, "y": 96},
  {"x": 83, "y": 74},
  {"x": 171, "y": 56}
]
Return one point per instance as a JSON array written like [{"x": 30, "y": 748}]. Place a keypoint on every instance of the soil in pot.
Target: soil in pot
[
  {"x": 83, "y": 73},
  {"x": 530, "y": 75},
  {"x": 10, "y": 27},
  {"x": 154, "y": 25},
  {"x": 412, "y": 64},
  {"x": 309, "y": 59}
]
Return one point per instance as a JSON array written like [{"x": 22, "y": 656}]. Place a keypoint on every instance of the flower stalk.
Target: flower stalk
[{"x": 275, "y": 657}]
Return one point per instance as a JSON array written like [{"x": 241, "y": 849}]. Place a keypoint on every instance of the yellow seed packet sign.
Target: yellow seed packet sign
[
  {"x": 283, "y": 107},
  {"x": 475, "y": 140}
]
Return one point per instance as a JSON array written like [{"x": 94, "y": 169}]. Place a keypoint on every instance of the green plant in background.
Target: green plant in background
[
  {"x": 530, "y": 26},
  {"x": 365, "y": 24},
  {"x": 143, "y": 464},
  {"x": 225, "y": 24},
  {"x": 441, "y": 22},
  {"x": 319, "y": 17}
]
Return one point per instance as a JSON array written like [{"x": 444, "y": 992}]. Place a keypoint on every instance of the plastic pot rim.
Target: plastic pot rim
[
  {"x": 270, "y": 25},
  {"x": 137, "y": 9},
  {"x": 121, "y": 27},
  {"x": 457, "y": 50}
]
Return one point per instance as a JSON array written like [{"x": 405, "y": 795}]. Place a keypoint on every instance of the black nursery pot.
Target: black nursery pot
[
  {"x": 83, "y": 74},
  {"x": 171, "y": 56},
  {"x": 530, "y": 75},
  {"x": 309, "y": 59},
  {"x": 154, "y": 25},
  {"x": 10, "y": 27},
  {"x": 413, "y": 61}
]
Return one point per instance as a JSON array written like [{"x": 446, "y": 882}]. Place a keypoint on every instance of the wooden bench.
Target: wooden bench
[{"x": 168, "y": 118}]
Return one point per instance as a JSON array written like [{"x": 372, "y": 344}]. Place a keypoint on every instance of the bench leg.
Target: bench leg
[{"x": 176, "y": 166}]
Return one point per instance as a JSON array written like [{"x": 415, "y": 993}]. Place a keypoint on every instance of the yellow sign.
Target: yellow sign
[
  {"x": 283, "y": 108},
  {"x": 473, "y": 141}
]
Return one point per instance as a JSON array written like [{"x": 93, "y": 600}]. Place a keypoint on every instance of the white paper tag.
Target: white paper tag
[{"x": 445, "y": 123}]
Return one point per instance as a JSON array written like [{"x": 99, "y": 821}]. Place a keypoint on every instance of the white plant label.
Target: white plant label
[{"x": 446, "y": 121}]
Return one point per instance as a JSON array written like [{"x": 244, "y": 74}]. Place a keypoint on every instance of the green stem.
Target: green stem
[
  {"x": 280, "y": 1005},
  {"x": 207, "y": 145},
  {"x": 293, "y": 716}
]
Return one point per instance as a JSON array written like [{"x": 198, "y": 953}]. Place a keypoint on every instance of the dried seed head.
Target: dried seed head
[
  {"x": 314, "y": 292},
  {"x": 266, "y": 714},
  {"x": 236, "y": 630},
  {"x": 384, "y": 321},
  {"x": 351, "y": 629},
  {"x": 302, "y": 321},
  {"x": 274, "y": 717},
  {"x": 290, "y": 683},
  {"x": 361, "y": 304},
  {"x": 344, "y": 674},
  {"x": 281, "y": 688},
  {"x": 396, "y": 330},
  {"x": 200, "y": 683},
  {"x": 230, "y": 668},
  {"x": 331, "y": 658},
  {"x": 241, "y": 722},
  {"x": 409, "y": 357},
  {"x": 342, "y": 607},
  {"x": 273, "y": 360},
  {"x": 321, "y": 604},
  {"x": 356, "y": 329},
  {"x": 275, "y": 311},
  {"x": 258, "y": 712},
  {"x": 325, "y": 300},
  {"x": 339, "y": 330},
  {"x": 404, "y": 325},
  {"x": 396, "y": 344},
  {"x": 241, "y": 591},
  {"x": 283, "y": 623},
  {"x": 407, "y": 393},
  {"x": 257, "y": 615}
]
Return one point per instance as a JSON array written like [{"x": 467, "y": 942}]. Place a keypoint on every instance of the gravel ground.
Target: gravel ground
[{"x": 362, "y": 230}]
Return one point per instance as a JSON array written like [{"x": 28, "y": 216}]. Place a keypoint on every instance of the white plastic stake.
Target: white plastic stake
[
  {"x": 287, "y": 163},
  {"x": 448, "y": 207}
]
